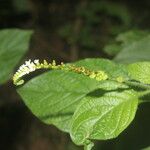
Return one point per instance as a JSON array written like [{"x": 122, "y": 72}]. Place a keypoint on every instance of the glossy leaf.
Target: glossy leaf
[
  {"x": 103, "y": 117},
  {"x": 13, "y": 45},
  {"x": 54, "y": 96}
]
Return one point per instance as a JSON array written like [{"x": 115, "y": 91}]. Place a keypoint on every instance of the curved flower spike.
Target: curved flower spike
[{"x": 30, "y": 66}]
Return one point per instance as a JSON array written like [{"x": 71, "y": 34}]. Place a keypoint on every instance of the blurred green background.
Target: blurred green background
[{"x": 68, "y": 31}]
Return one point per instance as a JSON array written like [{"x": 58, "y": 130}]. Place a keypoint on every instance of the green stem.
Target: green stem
[
  {"x": 143, "y": 93},
  {"x": 88, "y": 146},
  {"x": 137, "y": 84},
  {"x": 144, "y": 101}
]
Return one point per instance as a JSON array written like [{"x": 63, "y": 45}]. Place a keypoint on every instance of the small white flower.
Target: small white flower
[
  {"x": 32, "y": 67},
  {"x": 22, "y": 67},
  {"x": 19, "y": 71},
  {"x": 36, "y": 61},
  {"x": 27, "y": 63},
  {"x": 27, "y": 72}
]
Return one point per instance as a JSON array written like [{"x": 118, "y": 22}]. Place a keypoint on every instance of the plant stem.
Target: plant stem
[
  {"x": 143, "y": 93},
  {"x": 88, "y": 146},
  {"x": 140, "y": 85},
  {"x": 137, "y": 84},
  {"x": 144, "y": 101}
]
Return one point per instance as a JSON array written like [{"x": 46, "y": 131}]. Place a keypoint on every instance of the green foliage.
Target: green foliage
[
  {"x": 13, "y": 45},
  {"x": 67, "y": 92},
  {"x": 131, "y": 46},
  {"x": 60, "y": 94},
  {"x": 92, "y": 99},
  {"x": 137, "y": 51},
  {"x": 82, "y": 106},
  {"x": 148, "y": 148},
  {"x": 123, "y": 41},
  {"x": 103, "y": 117},
  {"x": 140, "y": 71}
]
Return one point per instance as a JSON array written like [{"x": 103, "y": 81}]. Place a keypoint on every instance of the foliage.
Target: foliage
[
  {"x": 13, "y": 45},
  {"x": 77, "y": 102},
  {"x": 148, "y": 148},
  {"x": 124, "y": 40},
  {"x": 140, "y": 71},
  {"x": 136, "y": 51},
  {"x": 91, "y": 99},
  {"x": 131, "y": 46}
]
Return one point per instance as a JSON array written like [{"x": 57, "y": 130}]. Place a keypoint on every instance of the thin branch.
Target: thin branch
[
  {"x": 138, "y": 84},
  {"x": 88, "y": 146}
]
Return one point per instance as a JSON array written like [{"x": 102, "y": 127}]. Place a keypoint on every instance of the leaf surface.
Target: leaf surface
[
  {"x": 140, "y": 71},
  {"x": 103, "y": 117},
  {"x": 135, "y": 51},
  {"x": 54, "y": 96},
  {"x": 13, "y": 45}
]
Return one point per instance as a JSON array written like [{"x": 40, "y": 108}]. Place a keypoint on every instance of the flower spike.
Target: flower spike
[{"x": 30, "y": 66}]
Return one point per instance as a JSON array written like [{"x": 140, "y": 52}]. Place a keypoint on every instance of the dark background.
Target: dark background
[{"x": 19, "y": 129}]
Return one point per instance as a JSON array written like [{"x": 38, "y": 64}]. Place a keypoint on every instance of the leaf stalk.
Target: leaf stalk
[
  {"x": 88, "y": 146},
  {"x": 138, "y": 84}
]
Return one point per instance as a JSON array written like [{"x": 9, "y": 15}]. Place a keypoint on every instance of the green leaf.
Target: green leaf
[
  {"x": 140, "y": 71},
  {"x": 131, "y": 36},
  {"x": 135, "y": 51},
  {"x": 103, "y": 117},
  {"x": 112, "y": 49},
  {"x": 124, "y": 40},
  {"x": 148, "y": 148},
  {"x": 13, "y": 45},
  {"x": 54, "y": 96}
]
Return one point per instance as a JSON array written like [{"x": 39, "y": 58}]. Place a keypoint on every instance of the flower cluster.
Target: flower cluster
[
  {"x": 30, "y": 66},
  {"x": 98, "y": 75},
  {"x": 120, "y": 79}
]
